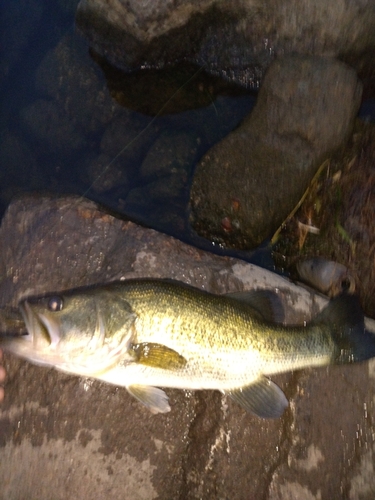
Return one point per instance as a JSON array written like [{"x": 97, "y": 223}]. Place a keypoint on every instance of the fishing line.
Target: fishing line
[
  {"x": 144, "y": 130},
  {"x": 140, "y": 133}
]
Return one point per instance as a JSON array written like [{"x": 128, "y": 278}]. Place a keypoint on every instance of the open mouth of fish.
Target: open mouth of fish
[
  {"x": 98, "y": 355},
  {"x": 36, "y": 329}
]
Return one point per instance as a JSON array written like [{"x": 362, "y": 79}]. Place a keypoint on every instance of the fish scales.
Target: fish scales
[{"x": 222, "y": 337}]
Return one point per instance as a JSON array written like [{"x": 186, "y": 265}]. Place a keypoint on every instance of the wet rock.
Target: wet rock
[
  {"x": 110, "y": 27},
  {"x": 327, "y": 276},
  {"x": 130, "y": 133},
  {"x": 310, "y": 454},
  {"x": 123, "y": 145},
  {"x": 19, "y": 168},
  {"x": 68, "y": 436},
  {"x": 164, "y": 91},
  {"x": 68, "y": 77},
  {"x": 160, "y": 204},
  {"x": 165, "y": 189},
  {"x": 164, "y": 174},
  {"x": 247, "y": 184},
  {"x": 237, "y": 40},
  {"x": 105, "y": 173},
  {"x": 49, "y": 125},
  {"x": 215, "y": 121},
  {"x": 171, "y": 153}
]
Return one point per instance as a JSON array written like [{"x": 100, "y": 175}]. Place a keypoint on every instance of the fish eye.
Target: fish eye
[{"x": 55, "y": 304}]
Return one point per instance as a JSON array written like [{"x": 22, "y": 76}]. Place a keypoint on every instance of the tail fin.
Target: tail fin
[{"x": 346, "y": 321}]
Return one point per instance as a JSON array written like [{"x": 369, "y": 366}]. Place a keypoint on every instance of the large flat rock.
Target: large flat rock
[{"x": 68, "y": 437}]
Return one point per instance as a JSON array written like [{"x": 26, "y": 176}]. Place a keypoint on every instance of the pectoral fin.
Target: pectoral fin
[
  {"x": 263, "y": 397},
  {"x": 158, "y": 356},
  {"x": 155, "y": 399}
]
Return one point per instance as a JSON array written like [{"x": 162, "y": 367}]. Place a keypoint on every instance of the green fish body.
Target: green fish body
[{"x": 148, "y": 333}]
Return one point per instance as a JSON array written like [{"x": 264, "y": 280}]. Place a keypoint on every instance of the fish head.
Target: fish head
[{"x": 84, "y": 332}]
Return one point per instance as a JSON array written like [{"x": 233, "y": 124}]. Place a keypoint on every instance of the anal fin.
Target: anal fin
[{"x": 263, "y": 398}]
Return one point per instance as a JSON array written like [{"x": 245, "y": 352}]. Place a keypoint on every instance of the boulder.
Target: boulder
[
  {"x": 236, "y": 39},
  {"x": 247, "y": 184}
]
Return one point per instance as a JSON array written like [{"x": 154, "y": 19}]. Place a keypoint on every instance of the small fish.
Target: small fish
[
  {"x": 327, "y": 276},
  {"x": 147, "y": 333}
]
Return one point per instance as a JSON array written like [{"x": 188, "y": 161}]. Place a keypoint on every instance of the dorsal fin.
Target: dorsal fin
[{"x": 266, "y": 302}]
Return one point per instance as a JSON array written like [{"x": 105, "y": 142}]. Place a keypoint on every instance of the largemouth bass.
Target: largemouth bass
[{"x": 147, "y": 333}]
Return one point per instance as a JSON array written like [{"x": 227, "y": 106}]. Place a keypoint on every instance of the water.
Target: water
[{"x": 62, "y": 130}]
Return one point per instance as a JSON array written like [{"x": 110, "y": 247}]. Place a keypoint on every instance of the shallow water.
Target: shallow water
[{"x": 61, "y": 131}]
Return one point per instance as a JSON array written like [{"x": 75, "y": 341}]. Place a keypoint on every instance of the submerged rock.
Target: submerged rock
[
  {"x": 67, "y": 76},
  {"x": 247, "y": 184},
  {"x": 105, "y": 173},
  {"x": 173, "y": 152},
  {"x": 49, "y": 125}
]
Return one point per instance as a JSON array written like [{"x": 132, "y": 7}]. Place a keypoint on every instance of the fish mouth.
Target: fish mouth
[
  {"x": 35, "y": 346},
  {"x": 39, "y": 331},
  {"x": 47, "y": 345}
]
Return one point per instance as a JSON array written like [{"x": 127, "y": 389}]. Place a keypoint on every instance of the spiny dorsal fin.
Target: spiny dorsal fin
[{"x": 266, "y": 302}]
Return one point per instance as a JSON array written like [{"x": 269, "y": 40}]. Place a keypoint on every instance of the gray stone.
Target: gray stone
[
  {"x": 247, "y": 184},
  {"x": 236, "y": 39},
  {"x": 137, "y": 26}
]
